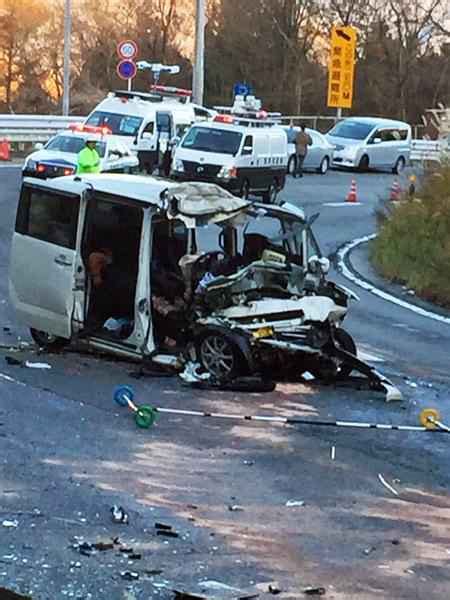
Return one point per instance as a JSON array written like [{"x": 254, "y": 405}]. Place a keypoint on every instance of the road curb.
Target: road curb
[{"x": 345, "y": 267}]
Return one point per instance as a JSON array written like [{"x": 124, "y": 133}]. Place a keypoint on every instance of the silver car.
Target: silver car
[{"x": 320, "y": 153}]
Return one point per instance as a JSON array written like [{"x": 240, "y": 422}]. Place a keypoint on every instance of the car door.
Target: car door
[
  {"x": 378, "y": 148},
  {"x": 46, "y": 268},
  {"x": 164, "y": 128},
  {"x": 313, "y": 156}
]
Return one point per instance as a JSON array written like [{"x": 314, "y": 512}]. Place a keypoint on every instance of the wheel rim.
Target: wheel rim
[
  {"x": 324, "y": 166},
  {"x": 400, "y": 165},
  {"x": 217, "y": 356}
]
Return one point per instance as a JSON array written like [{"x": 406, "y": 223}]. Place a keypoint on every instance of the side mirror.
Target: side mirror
[
  {"x": 175, "y": 140},
  {"x": 246, "y": 150},
  {"x": 38, "y": 146},
  {"x": 377, "y": 140}
]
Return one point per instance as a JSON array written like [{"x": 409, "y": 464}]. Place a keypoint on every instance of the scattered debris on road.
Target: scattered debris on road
[
  {"x": 129, "y": 575},
  {"x": 165, "y": 530},
  {"x": 214, "y": 590},
  {"x": 235, "y": 508},
  {"x": 387, "y": 485},
  {"x": 274, "y": 588},
  {"x": 293, "y": 503},
  {"x": 333, "y": 452},
  {"x": 119, "y": 515},
  {"x": 37, "y": 365},
  {"x": 10, "y": 524},
  {"x": 315, "y": 591}
]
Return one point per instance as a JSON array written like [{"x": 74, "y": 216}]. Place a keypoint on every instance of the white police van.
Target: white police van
[
  {"x": 147, "y": 122},
  {"x": 243, "y": 151}
]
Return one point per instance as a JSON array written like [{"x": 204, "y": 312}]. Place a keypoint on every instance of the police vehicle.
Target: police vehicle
[
  {"x": 59, "y": 156},
  {"x": 147, "y": 122},
  {"x": 242, "y": 149}
]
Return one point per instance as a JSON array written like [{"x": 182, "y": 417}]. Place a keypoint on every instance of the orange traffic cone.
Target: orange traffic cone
[
  {"x": 395, "y": 191},
  {"x": 5, "y": 150},
  {"x": 352, "y": 195}
]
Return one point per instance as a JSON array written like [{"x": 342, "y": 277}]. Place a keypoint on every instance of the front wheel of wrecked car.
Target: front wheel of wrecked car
[
  {"x": 220, "y": 357},
  {"x": 344, "y": 340},
  {"x": 331, "y": 367},
  {"x": 47, "y": 340}
]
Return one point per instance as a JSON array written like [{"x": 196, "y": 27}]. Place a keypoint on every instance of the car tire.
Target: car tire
[
  {"x": 363, "y": 165},
  {"x": 245, "y": 190},
  {"x": 399, "y": 165},
  {"x": 220, "y": 357},
  {"x": 345, "y": 341},
  {"x": 324, "y": 165},
  {"x": 292, "y": 164},
  {"x": 48, "y": 341},
  {"x": 270, "y": 196}
]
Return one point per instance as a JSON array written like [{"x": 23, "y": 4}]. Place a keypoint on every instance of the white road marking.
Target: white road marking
[
  {"x": 376, "y": 291},
  {"x": 342, "y": 204}
]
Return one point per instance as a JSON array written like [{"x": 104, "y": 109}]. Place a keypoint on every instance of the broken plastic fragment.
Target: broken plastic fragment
[
  {"x": 191, "y": 373},
  {"x": 291, "y": 503},
  {"x": 119, "y": 515},
  {"x": 392, "y": 392},
  {"x": 315, "y": 591},
  {"x": 37, "y": 365},
  {"x": 235, "y": 508},
  {"x": 129, "y": 575},
  {"x": 10, "y": 524}
]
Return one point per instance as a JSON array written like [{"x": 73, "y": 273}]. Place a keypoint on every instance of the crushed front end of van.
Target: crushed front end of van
[{"x": 259, "y": 301}]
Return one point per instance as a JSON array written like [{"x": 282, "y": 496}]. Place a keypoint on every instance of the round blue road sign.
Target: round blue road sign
[{"x": 126, "y": 69}]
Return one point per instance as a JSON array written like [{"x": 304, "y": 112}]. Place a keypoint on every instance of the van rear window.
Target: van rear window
[
  {"x": 48, "y": 216},
  {"x": 119, "y": 124}
]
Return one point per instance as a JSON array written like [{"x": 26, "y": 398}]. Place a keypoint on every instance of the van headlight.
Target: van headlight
[
  {"x": 178, "y": 165},
  {"x": 227, "y": 173}
]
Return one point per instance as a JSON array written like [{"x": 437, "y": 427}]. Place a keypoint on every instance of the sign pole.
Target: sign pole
[
  {"x": 129, "y": 84},
  {"x": 67, "y": 45}
]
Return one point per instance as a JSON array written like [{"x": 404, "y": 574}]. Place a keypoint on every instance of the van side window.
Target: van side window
[
  {"x": 48, "y": 216},
  {"x": 148, "y": 128},
  {"x": 247, "y": 148}
]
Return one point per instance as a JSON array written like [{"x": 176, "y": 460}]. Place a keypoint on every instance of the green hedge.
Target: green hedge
[{"x": 413, "y": 245}]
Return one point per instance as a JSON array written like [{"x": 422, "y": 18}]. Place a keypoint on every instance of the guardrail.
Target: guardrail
[
  {"x": 428, "y": 150},
  {"x": 33, "y": 128}
]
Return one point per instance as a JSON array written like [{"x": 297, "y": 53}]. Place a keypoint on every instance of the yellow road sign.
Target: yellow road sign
[{"x": 341, "y": 67}]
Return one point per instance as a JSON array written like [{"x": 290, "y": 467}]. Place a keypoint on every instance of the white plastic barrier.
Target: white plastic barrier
[{"x": 429, "y": 150}]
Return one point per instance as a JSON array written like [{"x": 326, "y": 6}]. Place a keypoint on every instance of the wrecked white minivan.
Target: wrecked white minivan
[{"x": 183, "y": 275}]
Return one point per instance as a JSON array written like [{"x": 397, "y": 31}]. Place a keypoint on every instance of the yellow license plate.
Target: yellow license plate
[{"x": 263, "y": 332}]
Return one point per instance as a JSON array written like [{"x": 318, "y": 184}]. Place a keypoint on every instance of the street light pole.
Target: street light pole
[
  {"x": 67, "y": 44},
  {"x": 199, "y": 64}
]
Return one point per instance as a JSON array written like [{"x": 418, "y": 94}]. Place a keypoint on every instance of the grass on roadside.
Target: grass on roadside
[{"x": 413, "y": 244}]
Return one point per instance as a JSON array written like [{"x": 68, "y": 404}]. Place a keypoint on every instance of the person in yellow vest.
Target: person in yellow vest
[{"x": 88, "y": 158}]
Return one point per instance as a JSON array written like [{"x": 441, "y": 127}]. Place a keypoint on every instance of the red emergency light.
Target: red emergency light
[
  {"x": 80, "y": 127},
  {"x": 166, "y": 89},
  {"x": 224, "y": 119}
]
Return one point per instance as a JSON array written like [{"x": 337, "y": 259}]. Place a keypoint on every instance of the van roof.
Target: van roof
[
  {"x": 134, "y": 105},
  {"x": 378, "y": 121},
  {"x": 238, "y": 128},
  {"x": 136, "y": 187}
]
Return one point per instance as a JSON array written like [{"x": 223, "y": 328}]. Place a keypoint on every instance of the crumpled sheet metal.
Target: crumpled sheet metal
[{"x": 205, "y": 200}]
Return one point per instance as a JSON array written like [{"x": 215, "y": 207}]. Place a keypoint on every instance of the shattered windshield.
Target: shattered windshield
[{"x": 252, "y": 232}]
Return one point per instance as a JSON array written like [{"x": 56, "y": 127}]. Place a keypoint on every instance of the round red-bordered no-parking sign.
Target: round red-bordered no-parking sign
[{"x": 126, "y": 69}]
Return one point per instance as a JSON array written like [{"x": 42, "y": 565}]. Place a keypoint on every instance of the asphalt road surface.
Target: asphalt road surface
[{"x": 69, "y": 454}]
